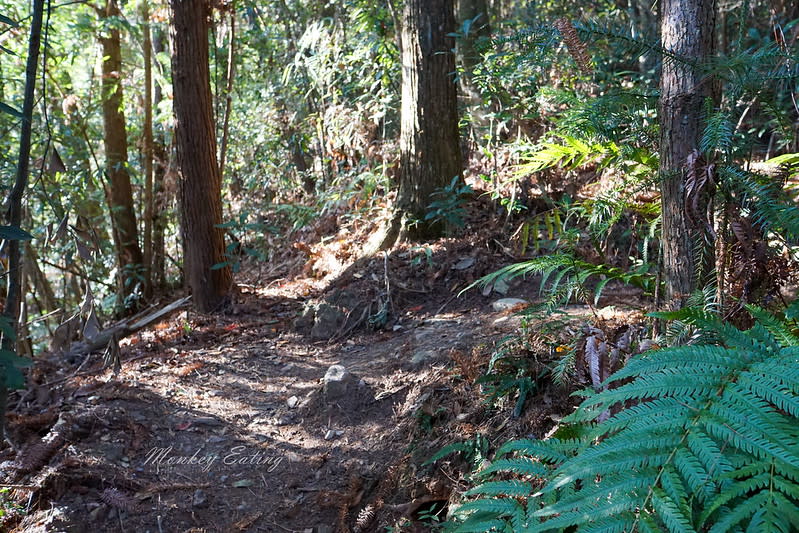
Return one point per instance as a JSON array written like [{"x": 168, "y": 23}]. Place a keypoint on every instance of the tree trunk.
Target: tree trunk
[
  {"x": 687, "y": 31},
  {"x": 230, "y": 73},
  {"x": 160, "y": 164},
  {"x": 119, "y": 192},
  {"x": 13, "y": 287},
  {"x": 147, "y": 135},
  {"x": 430, "y": 153},
  {"x": 200, "y": 183}
]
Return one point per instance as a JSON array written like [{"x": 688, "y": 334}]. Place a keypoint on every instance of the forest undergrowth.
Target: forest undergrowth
[
  {"x": 319, "y": 267},
  {"x": 443, "y": 367}
]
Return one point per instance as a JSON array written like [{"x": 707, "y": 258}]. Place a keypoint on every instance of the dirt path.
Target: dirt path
[{"x": 225, "y": 424}]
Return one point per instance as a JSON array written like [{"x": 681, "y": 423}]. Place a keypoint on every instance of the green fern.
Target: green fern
[
  {"x": 766, "y": 201},
  {"x": 569, "y": 152},
  {"x": 563, "y": 276},
  {"x": 473, "y": 450},
  {"x": 708, "y": 442},
  {"x": 718, "y": 133}
]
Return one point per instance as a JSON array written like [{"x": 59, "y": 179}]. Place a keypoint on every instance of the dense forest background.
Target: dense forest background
[{"x": 151, "y": 151}]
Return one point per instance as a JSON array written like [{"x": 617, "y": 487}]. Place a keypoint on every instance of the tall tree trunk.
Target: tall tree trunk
[
  {"x": 687, "y": 28},
  {"x": 13, "y": 287},
  {"x": 120, "y": 193},
  {"x": 200, "y": 183},
  {"x": 229, "y": 75},
  {"x": 430, "y": 154},
  {"x": 160, "y": 164},
  {"x": 148, "y": 151}
]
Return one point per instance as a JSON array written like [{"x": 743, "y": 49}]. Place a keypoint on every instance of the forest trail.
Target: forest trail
[{"x": 224, "y": 422}]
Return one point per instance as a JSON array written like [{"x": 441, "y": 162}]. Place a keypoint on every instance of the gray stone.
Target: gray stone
[
  {"x": 323, "y": 320},
  {"x": 504, "y": 304},
  {"x": 338, "y": 382},
  {"x": 343, "y": 298},
  {"x": 305, "y": 321},
  {"x": 284, "y": 421},
  {"x": 333, "y": 433},
  {"x": 328, "y": 321},
  {"x": 424, "y": 356},
  {"x": 422, "y": 335}
]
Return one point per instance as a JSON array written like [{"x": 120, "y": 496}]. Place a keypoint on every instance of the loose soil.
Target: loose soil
[{"x": 221, "y": 423}]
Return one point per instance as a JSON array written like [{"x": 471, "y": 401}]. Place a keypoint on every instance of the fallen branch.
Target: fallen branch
[{"x": 120, "y": 330}]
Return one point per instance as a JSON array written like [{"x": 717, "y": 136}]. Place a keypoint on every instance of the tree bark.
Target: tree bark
[
  {"x": 430, "y": 153},
  {"x": 13, "y": 288},
  {"x": 200, "y": 183},
  {"x": 687, "y": 28},
  {"x": 229, "y": 75},
  {"x": 119, "y": 191},
  {"x": 160, "y": 164},
  {"x": 147, "y": 135}
]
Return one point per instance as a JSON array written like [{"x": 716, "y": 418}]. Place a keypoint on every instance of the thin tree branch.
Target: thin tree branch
[{"x": 13, "y": 294}]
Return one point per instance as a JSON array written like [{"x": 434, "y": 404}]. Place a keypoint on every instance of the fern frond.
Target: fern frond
[
  {"x": 521, "y": 466},
  {"x": 497, "y": 507},
  {"x": 616, "y": 524},
  {"x": 781, "y": 330},
  {"x": 552, "y": 451},
  {"x": 567, "y": 152},
  {"x": 455, "y": 447},
  {"x": 674, "y": 514},
  {"x": 706, "y": 439},
  {"x": 512, "y": 487},
  {"x": 718, "y": 134},
  {"x": 767, "y": 202},
  {"x": 476, "y": 525}
]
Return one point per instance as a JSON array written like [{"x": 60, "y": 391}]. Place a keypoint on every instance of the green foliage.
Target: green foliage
[
  {"x": 422, "y": 255},
  {"x": 474, "y": 451},
  {"x": 570, "y": 152},
  {"x": 240, "y": 229},
  {"x": 509, "y": 374},
  {"x": 764, "y": 199},
  {"x": 448, "y": 206},
  {"x": 703, "y": 437},
  {"x": 541, "y": 230},
  {"x": 563, "y": 277},
  {"x": 8, "y": 505},
  {"x": 614, "y": 125},
  {"x": 10, "y": 362},
  {"x": 620, "y": 146}
]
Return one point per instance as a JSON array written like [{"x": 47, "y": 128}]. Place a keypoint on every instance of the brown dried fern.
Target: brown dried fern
[
  {"x": 246, "y": 523},
  {"x": 39, "y": 453},
  {"x": 576, "y": 47},
  {"x": 365, "y": 518},
  {"x": 119, "y": 500}
]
